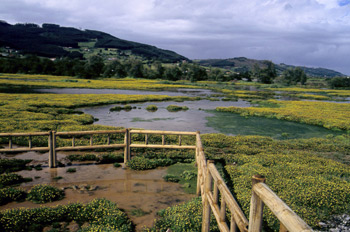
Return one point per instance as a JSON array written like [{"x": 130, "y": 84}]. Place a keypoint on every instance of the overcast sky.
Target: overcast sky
[{"x": 314, "y": 33}]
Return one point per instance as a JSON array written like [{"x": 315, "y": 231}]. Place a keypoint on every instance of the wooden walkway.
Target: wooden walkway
[{"x": 216, "y": 196}]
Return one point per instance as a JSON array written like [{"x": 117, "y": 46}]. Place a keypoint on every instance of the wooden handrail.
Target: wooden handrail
[
  {"x": 24, "y": 134},
  {"x": 291, "y": 221},
  {"x": 132, "y": 131},
  {"x": 90, "y": 132}
]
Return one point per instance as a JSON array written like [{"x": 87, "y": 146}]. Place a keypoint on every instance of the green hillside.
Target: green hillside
[
  {"x": 242, "y": 64},
  {"x": 51, "y": 40}
]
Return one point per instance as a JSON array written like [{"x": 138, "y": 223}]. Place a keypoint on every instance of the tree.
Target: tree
[
  {"x": 159, "y": 69},
  {"x": 93, "y": 67},
  {"x": 339, "y": 82},
  {"x": 293, "y": 76},
  {"x": 268, "y": 74},
  {"x": 114, "y": 69},
  {"x": 216, "y": 74}
]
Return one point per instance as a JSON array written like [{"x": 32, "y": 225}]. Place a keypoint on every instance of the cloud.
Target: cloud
[{"x": 313, "y": 31}]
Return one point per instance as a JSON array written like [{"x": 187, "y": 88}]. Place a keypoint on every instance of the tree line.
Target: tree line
[{"x": 95, "y": 67}]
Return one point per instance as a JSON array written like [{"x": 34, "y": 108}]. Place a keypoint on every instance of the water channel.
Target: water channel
[{"x": 201, "y": 116}]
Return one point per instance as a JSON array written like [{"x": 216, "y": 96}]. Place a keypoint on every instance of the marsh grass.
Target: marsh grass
[{"x": 182, "y": 171}]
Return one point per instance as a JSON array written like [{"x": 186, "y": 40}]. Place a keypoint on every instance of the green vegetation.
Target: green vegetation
[
  {"x": 8, "y": 179},
  {"x": 152, "y": 108},
  {"x": 13, "y": 165},
  {"x": 326, "y": 114},
  {"x": 242, "y": 65},
  {"x": 71, "y": 170},
  {"x": 110, "y": 158},
  {"x": 84, "y": 157},
  {"x": 49, "y": 81},
  {"x": 142, "y": 163},
  {"x": 339, "y": 82},
  {"x": 186, "y": 174},
  {"x": 236, "y": 124},
  {"x": 175, "y": 108},
  {"x": 292, "y": 76},
  {"x": 138, "y": 212},
  {"x": 171, "y": 178},
  {"x": 45, "y": 193},
  {"x": 183, "y": 217},
  {"x": 51, "y": 40},
  {"x": 106, "y": 158},
  {"x": 11, "y": 194},
  {"x": 117, "y": 165},
  {"x": 119, "y": 108},
  {"x": 101, "y": 214}
]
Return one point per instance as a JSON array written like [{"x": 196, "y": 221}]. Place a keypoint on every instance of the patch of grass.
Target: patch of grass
[
  {"x": 8, "y": 179},
  {"x": 119, "y": 108},
  {"x": 13, "y": 165},
  {"x": 171, "y": 178},
  {"x": 138, "y": 212},
  {"x": 152, "y": 108},
  {"x": 84, "y": 157},
  {"x": 183, "y": 217},
  {"x": 175, "y": 108},
  {"x": 100, "y": 214},
  {"x": 117, "y": 165},
  {"x": 182, "y": 171},
  {"x": 110, "y": 158},
  {"x": 143, "y": 163},
  {"x": 45, "y": 193},
  {"x": 11, "y": 194},
  {"x": 71, "y": 170}
]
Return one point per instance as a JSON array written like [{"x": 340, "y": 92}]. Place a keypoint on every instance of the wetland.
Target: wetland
[{"x": 251, "y": 132}]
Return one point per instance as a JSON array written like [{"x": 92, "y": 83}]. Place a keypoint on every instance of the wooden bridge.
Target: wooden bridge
[{"x": 210, "y": 185}]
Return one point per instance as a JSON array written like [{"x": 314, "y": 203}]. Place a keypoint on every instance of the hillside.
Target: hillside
[
  {"x": 51, "y": 40},
  {"x": 242, "y": 64}
]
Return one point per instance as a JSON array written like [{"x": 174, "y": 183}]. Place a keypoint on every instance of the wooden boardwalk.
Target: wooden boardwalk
[{"x": 216, "y": 196}]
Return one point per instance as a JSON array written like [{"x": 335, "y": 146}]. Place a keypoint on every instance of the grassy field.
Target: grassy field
[{"x": 47, "y": 81}]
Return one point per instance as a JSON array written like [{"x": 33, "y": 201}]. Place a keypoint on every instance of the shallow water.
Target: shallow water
[{"x": 193, "y": 119}]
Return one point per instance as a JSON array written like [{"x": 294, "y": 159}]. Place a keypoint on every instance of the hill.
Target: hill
[
  {"x": 51, "y": 40},
  {"x": 242, "y": 64}
]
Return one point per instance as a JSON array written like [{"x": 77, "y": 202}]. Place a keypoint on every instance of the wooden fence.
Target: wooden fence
[{"x": 216, "y": 196}]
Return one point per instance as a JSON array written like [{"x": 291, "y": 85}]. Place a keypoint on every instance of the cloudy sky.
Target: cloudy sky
[{"x": 313, "y": 33}]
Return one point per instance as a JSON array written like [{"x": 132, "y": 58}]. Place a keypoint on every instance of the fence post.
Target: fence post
[
  {"x": 52, "y": 149},
  {"x": 127, "y": 145},
  {"x": 10, "y": 142},
  {"x": 256, "y": 207},
  {"x": 199, "y": 166},
  {"x": 206, "y": 205}
]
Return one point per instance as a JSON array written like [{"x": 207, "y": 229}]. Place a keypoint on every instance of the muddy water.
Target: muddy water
[{"x": 131, "y": 190}]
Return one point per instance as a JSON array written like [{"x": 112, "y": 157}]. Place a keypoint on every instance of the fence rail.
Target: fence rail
[{"x": 216, "y": 196}]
